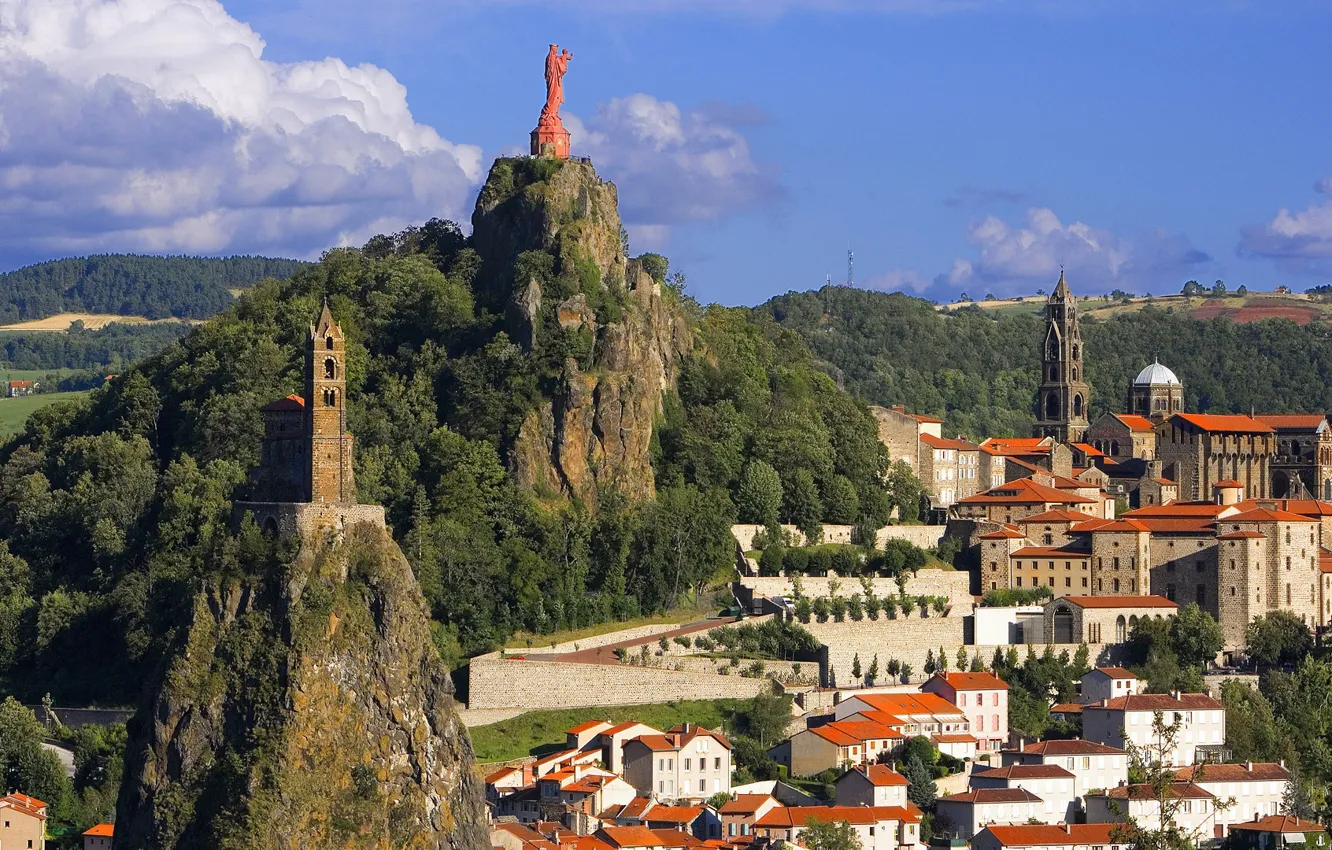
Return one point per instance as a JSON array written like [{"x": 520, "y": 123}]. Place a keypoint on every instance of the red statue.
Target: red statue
[{"x": 550, "y": 138}]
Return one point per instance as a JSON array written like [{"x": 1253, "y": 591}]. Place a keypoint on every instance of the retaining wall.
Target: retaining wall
[
  {"x": 924, "y": 536},
  {"x": 954, "y": 584},
  {"x": 496, "y": 682}
]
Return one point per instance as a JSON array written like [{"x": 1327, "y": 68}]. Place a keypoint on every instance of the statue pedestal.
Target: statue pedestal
[{"x": 550, "y": 140}]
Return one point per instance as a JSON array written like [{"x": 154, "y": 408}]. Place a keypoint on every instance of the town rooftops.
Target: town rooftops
[
  {"x": 954, "y": 738},
  {"x": 1242, "y": 535},
  {"x": 799, "y": 816},
  {"x": 910, "y": 705},
  {"x": 1144, "y": 791},
  {"x": 922, "y": 418},
  {"x": 973, "y": 681},
  {"x": 845, "y": 733},
  {"x": 103, "y": 830},
  {"x": 502, "y": 773},
  {"x": 632, "y": 810},
  {"x": 1131, "y": 526},
  {"x": 1026, "y": 771},
  {"x": 1246, "y": 772},
  {"x": 641, "y": 836},
  {"x": 1112, "y": 673},
  {"x": 1267, "y": 515},
  {"x": 1134, "y": 422},
  {"x": 1005, "y": 533},
  {"x": 747, "y": 804},
  {"x": 992, "y": 795},
  {"x": 1070, "y": 747},
  {"x": 1224, "y": 423},
  {"x": 1018, "y": 445},
  {"x": 1052, "y": 835},
  {"x": 674, "y": 814},
  {"x": 588, "y": 726},
  {"x": 677, "y": 738},
  {"x": 1159, "y": 702},
  {"x": 945, "y": 443},
  {"x": 292, "y": 403},
  {"x": 1280, "y": 823},
  {"x": 1086, "y": 602},
  {"x": 879, "y": 775},
  {"x": 1229, "y": 484},
  {"x": 1054, "y": 516},
  {"x": 1024, "y": 491},
  {"x": 30, "y": 806},
  {"x": 1293, "y": 421}
]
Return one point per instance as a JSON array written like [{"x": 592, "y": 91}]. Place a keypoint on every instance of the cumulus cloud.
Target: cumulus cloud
[
  {"x": 1015, "y": 259},
  {"x": 898, "y": 280},
  {"x": 672, "y": 166},
  {"x": 1300, "y": 241},
  {"x": 157, "y": 125}
]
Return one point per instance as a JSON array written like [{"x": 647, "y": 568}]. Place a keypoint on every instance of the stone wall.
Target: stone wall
[
  {"x": 924, "y": 536},
  {"x": 496, "y": 682},
  {"x": 309, "y": 519},
  {"x": 906, "y": 639},
  {"x": 954, "y": 584}
]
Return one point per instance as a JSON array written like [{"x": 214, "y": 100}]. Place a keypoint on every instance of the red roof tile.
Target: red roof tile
[
  {"x": 105, "y": 830},
  {"x": 1159, "y": 702},
  {"x": 1004, "y": 534},
  {"x": 1058, "y": 835},
  {"x": 747, "y": 804},
  {"x": 1054, "y": 516},
  {"x": 1144, "y": 791},
  {"x": 973, "y": 681},
  {"x": 879, "y": 775},
  {"x": 1134, "y": 422},
  {"x": 1026, "y": 771},
  {"x": 1280, "y": 823},
  {"x": 1085, "y": 602},
  {"x": 1228, "y": 423},
  {"x": 798, "y": 816},
  {"x": 1051, "y": 552},
  {"x": 945, "y": 443},
  {"x": 1267, "y": 515},
  {"x": 292, "y": 402},
  {"x": 1024, "y": 491},
  {"x": 1293, "y": 421},
  {"x": 1247, "y": 772},
  {"x": 992, "y": 795},
  {"x": 588, "y": 726},
  {"x": 1071, "y": 747},
  {"x": 1114, "y": 673}
]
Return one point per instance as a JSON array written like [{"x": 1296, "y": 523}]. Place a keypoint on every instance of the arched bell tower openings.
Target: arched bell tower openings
[
  {"x": 1063, "y": 397},
  {"x": 330, "y": 468}
]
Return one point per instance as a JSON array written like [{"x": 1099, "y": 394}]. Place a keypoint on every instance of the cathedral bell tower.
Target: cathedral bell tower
[
  {"x": 1061, "y": 401},
  {"x": 330, "y": 445}
]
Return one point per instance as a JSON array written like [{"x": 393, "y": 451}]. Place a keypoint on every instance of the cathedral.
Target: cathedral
[{"x": 1064, "y": 394}]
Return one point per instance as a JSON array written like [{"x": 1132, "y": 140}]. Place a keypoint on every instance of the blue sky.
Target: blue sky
[{"x": 956, "y": 146}]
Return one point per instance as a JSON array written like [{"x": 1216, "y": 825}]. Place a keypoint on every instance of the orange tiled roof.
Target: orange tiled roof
[
  {"x": 973, "y": 681},
  {"x": 1267, "y": 515},
  {"x": 847, "y": 732},
  {"x": 104, "y": 830},
  {"x": 1324, "y": 561},
  {"x": 1051, "y": 552},
  {"x": 1057, "y": 835},
  {"x": 1056, "y": 515},
  {"x": 1114, "y": 673},
  {"x": 1248, "y": 772},
  {"x": 907, "y": 705},
  {"x": 1085, "y": 602},
  {"x": 1228, "y": 484},
  {"x": 1292, "y": 421},
  {"x": 945, "y": 443},
  {"x": 588, "y": 726},
  {"x": 1089, "y": 450},
  {"x": 641, "y": 836},
  {"x": 879, "y": 775},
  {"x": 928, "y": 420},
  {"x": 1225, "y": 423},
  {"x": 1071, "y": 747},
  {"x": 798, "y": 816},
  {"x": 1242, "y": 535},
  {"x": 954, "y": 738},
  {"x": 291, "y": 402},
  {"x": 1159, "y": 702},
  {"x": 1144, "y": 791},
  {"x": 747, "y": 804},
  {"x": 1066, "y": 708},
  {"x": 1027, "y": 771},
  {"x": 1134, "y": 422},
  {"x": 1024, "y": 491},
  {"x": 1178, "y": 510},
  {"x": 1280, "y": 823},
  {"x": 1004, "y": 533},
  {"x": 992, "y": 795},
  {"x": 674, "y": 814}
]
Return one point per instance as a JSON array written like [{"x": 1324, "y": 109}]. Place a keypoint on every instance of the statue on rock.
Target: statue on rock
[{"x": 550, "y": 138}]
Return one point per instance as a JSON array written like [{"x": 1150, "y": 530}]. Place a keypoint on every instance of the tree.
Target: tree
[
  {"x": 1196, "y": 636},
  {"x": 1192, "y": 287},
  {"x": 719, "y": 799},
  {"x": 767, "y": 717},
  {"x": 829, "y": 835},
  {"x": 1153, "y": 764},
  {"x": 903, "y": 488},
  {"x": 1219, "y": 289},
  {"x": 855, "y": 667},
  {"x": 930, "y": 666},
  {"x": 921, "y": 789},
  {"x": 1277, "y": 637},
  {"x": 841, "y": 503},
  {"x": 961, "y": 659},
  {"x": 1242, "y": 290},
  {"x": 801, "y": 502},
  {"x": 759, "y": 500},
  {"x": 872, "y": 674},
  {"x": 26, "y": 765}
]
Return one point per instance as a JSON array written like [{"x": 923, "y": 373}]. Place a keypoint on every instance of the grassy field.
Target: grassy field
[
  {"x": 15, "y": 411},
  {"x": 541, "y": 732},
  {"x": 7, "y": 375}
]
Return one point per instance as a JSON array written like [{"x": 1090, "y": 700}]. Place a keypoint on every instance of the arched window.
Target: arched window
[
  {"x": 1052, "y": 406},
  {"x": 1075, "y": 351},
  {"x": 1054, "y": 373},
  {"x": 1075, "y": 373},
  {"x": 328, "y": 343},
  {"x": 1121, "y": 629},
  {"x": 330, "y": 369},
  {"x": 1077, "y": 405}
]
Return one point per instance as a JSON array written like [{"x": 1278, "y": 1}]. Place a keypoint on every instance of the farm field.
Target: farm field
[
  {"x": 15, "y": 411},
  {"x": 91, "y": 321},
  {"x": 1298, "y": 308}
]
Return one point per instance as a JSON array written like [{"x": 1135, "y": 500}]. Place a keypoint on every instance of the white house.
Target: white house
[
  {"x": 687, "y": 763},
  {"x": 1107, "y": 683},
  {"x": 1064, "y": 836},
  {"x": 971, "y": 811},
  {"x": 1055, "y": 785},
  {"x": 1256, "y": 788},
  {"x": 1095, "y": 766},
  {"x": 1201, "y": 718},
  {"x": 871, "y": 785},
  {"x": 877, "y": 827},
  {"x": 1195, "y": 815}
]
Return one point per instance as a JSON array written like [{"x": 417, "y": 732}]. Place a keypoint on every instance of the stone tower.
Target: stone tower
[
  {"x": 331, "y": 478},
  {"x": 1061, "y": 401},
  {"x": 1156, "y": 393}
]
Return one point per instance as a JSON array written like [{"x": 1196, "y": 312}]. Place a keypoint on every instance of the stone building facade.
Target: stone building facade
[
  {"x": 1156, "y": 394},
  {"x": 1302, "y": 466},
  {"x": 949, "y": 470},
  {"x": 1100, "y": 619},
  {"x": 1198, "y": 450},
  {"x": 305, "y": 479}
]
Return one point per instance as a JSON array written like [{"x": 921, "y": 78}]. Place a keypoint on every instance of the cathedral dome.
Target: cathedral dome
[{"x": 1155, "y": 375}]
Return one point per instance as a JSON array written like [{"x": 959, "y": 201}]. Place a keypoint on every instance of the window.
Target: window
[
  {"x": 980, "y": 723},
  {"x": 1202, "y": 594},
  {"x": 716, "y": 763},
  {"x": 994, "y": 722},
  {"x": 689, "y": 763},
  {"x": 331, "y": 370},
  {"x": 1170, "y": 592}
]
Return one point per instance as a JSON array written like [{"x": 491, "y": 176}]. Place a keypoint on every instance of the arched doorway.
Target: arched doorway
[
  {"x": 271, "y": 526},
  {"x": 1280, "y": 485},
  {"x": 1052, "y": 406},
  {"x": 1121, "y": 629},
  {"x": 1063, "y": 624}
]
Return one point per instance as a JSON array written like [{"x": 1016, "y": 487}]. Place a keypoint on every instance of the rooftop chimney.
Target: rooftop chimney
[{"x": 1068, "y": 829}]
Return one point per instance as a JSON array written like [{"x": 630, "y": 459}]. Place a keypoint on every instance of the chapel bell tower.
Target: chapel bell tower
[{"x": 1061, "y": 401}]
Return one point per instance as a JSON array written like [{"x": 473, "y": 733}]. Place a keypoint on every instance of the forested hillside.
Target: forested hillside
[
  {"x": 980, "y": 372},
  {"x": 112, "y": 511},
  {"x": 132, "y": 285}
]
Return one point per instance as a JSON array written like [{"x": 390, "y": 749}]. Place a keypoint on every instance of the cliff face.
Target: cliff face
[
  {"x": 595, "y": 433},
  {"x": 306, "y": 709}
]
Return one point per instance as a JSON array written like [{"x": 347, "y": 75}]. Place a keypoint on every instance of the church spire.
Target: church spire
[{"x": 1063, "y": 397}]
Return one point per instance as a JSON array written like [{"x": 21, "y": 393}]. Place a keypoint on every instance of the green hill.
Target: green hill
[
  {"x": 132, "y": 285},
  {"x": 978, "y": 368}
]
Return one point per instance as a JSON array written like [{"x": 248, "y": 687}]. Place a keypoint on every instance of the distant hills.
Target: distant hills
[{"x": 133, "y": 285}]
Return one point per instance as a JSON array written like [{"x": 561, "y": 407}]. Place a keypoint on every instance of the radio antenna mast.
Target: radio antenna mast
[{"x": 850, "y": 267}]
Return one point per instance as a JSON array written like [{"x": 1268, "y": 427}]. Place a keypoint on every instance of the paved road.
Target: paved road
[{"x": 605, "y": 654}]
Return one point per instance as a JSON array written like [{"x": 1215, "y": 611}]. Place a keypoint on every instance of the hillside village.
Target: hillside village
[{"x": 1065, "y": 546}]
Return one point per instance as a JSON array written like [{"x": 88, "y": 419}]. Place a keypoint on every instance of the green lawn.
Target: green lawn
[
  {"x": 7, "y": 374},
  {"x": 15, "y": 411},
  {"x": 541, "y": 732}
]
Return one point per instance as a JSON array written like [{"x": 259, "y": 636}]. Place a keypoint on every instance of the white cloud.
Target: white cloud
[
  {"x": 897, "y": 280},
  {"x": 157, "y": 125},
  {"x": 1300, "y": 241},
  {"x": 1014, "y": 259},
  {"x": 672, "y": 166}
]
